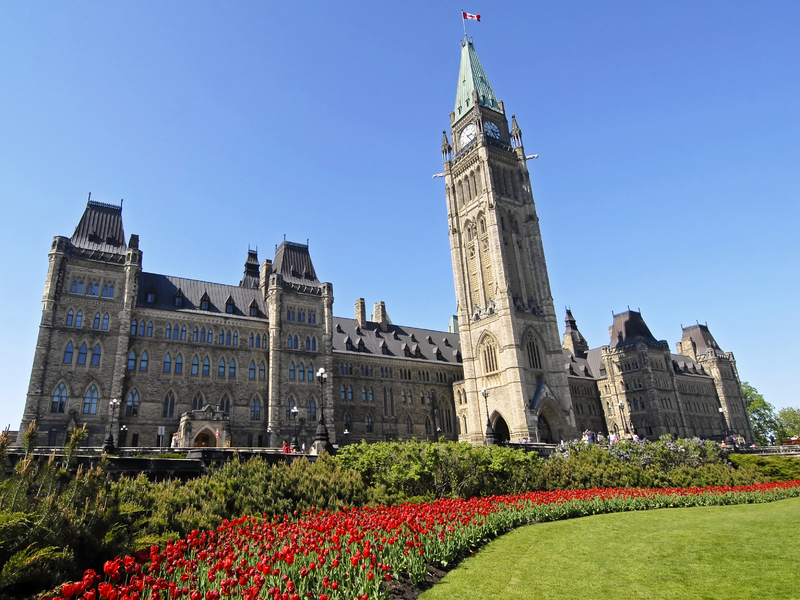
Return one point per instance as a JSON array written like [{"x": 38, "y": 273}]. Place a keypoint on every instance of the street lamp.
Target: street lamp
[
  {"x": 113, "y": 407},
  {"x": 724, "y": 422},
  {"x": 269, "y": 436},
  {"x": 624, "y": 423},
  {"x": 489, "y": 434},
  {"x": 123, "y": 435},
  {"x": 294, "y": 412},
  {"x": 321, "y": 439}
]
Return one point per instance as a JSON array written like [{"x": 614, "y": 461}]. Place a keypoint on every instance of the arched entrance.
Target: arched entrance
[
  {"x": 204, "y": 439},
  {"x": 501, "y": 434},
  {"x": 545, "y": 435}
]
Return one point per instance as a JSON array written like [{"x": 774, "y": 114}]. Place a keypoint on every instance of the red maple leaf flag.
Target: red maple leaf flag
[{"x": 466, "y": 15}]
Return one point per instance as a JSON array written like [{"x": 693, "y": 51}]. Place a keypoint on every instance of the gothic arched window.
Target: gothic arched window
[
  {"x": 368, "y": 423},
  {"x": 68, "y": 354},
  {"x": 206, "y": 366},
  {"x": 79, "y": 318},
  {"x": 252, "y": 372},
  {"x": 96, "y": 324},
  {"x": 255, "y": 409},
  {"x": 90, "y": 401},
  {"x": 82, "y": 354},
  {"x": 290, "y": 414},
  {"x": 105, "y": 322},
  {"x": 232, "y": 368},
  {"x": 225, "y": 404},
  {"x": 143, "y": 362},
  {"x": 168, "y": 409},
  {"x": 195, "y": 366},
  {"x": 132, "y": 361},
  {"x": 132, "y": 404},
  {"x": 59, "y": 399},
  {"x": 167, "y": 363},
  {"x": 261, "y": 371},
  {"x": 221, "y": 368},
  {"x": 291, "y": 371},
  {"x": 197, "y": 401},
  {"x": 96, "y": 356},
  {"x": 312, "y": 409}
]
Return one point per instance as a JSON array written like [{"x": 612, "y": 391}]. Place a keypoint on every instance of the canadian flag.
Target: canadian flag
[{"x": 466, "y": 15}]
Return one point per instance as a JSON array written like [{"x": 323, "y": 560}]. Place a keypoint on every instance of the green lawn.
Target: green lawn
[{"x": 744, "y": 551}]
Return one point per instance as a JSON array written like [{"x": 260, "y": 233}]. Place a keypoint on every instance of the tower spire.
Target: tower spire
[{"x": 472, "y": 78}]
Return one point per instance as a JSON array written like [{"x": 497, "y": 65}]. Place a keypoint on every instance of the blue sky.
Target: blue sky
[{"x": 668, "y": 175}]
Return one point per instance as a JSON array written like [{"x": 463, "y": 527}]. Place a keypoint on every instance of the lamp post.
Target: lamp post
[
  {"x": 623, "y": 422},
  {"x": 294, "y": 412},
  {"x": 489, "y": 434},
  {"x": 269, "y": 437},
  {"x": 113, "y": 410},
  {"x": 321, "y": 439},
  {"x": 123, "y": 435}
]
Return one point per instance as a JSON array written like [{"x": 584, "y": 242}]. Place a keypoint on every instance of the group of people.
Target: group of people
[
  {"x": 590, "y": 437},
  {"x": 287, "y": 449}
]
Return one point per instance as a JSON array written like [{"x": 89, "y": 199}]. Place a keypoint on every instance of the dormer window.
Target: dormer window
[
  {"x": 178, "y": 298},
  {"x": 229, "y": 305},
  {"x": 151, "y": 298},
  {"x": 253, "y": 309},
  {"x": 205, "y": 302}
]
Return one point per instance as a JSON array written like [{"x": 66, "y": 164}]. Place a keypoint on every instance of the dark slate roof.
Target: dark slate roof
[
  {"x": 594, "y": 358},
  {"x": 577, "y": 366},
  {"x": 628, "y": 327},
  {"x": 166, "y": 287},
  {"x": 251, "y": 277},
  {"x": 100, "y": 229},
  {"x": 293, "y": 263},
  {"x": 701, "y": 337},
  {"x": 397, "y": 339},
  {"x": 684, "y": 365}
]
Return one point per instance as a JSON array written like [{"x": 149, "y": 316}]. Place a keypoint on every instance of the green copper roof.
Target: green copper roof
[{"x": 471, "y": 77}]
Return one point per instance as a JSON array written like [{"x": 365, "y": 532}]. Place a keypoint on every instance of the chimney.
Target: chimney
[
  {"x": 266, "y": 270},
  {"x": 361, "y": 312},
  {"x": 380, "y": 316}
]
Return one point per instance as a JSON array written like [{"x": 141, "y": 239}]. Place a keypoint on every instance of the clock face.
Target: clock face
[
  {"x": 491, "y": 129},
  {"x": 468, "y": 134}
]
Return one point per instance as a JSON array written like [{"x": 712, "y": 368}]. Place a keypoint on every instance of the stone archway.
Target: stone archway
[
  {"x": 545, "y": 434},
  {"x": 501, "y": 433},
  {"x": 205, "y": 439}
]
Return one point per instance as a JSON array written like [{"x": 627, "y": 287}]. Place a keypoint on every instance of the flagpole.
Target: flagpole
[{"x": 464, "y": 25}]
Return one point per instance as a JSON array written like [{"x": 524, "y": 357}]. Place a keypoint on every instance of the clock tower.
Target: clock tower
[{"x": 507, "y": 323}]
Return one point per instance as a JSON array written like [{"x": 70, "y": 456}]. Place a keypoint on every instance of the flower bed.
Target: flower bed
[{"x": 350, "y": 553}]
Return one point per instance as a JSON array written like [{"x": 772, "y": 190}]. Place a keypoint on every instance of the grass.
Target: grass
[{"x": 743, "y": 551}]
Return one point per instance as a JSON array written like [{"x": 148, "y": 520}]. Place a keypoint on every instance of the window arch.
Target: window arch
[
  {"x": 168, "y": 334},
  {"x": 488, "y": 353},
  {"x": 261, "y": 371},
  {"x": 70, "y": 316},
  {"x": 59, "y": 401},
  {"x": 225, "y": 404},
  {"x": 228, "y": 338},
  {"x": 206, "y": 366},
  {"x": 96, "y": 356},
  {"x": 235, "y": 338},
  {"x": 79, "y": 318},
  {"x": 82, "y": 354},
  {"x": 311, "y": 409},
  {"x": 364, "y": 394},
  {"x": 175, "y": 332},
  {"x": 464, "y": 424},
  {"x": 313, "y": 344},
  {"x": 143, "y": 361},
  {"x": 221, "y": 368},
  {"x": 252, "y": 373},
  {"x": 210, "y": 337},
  {"x": 349, "y": 392},
  {"x": 168, "y": 408},
  {"x": 291, "y": 371},
  {"x": 232, "y": 368},
  {"x": 198, "y": 402},
  {"x": 290, "y": 404},
  {"x": 348, "y": 421},
  {"x": 167, "y": 363},
  {"x": 90, "y": 401},
  {"x": 149, "y": 329},
  {"x": 195, "y": 366},
  {"x": 96, "y": 324},
  {"x": 532, "y": 350},
  {"x": 308, "y": 343},
  {"x": 141, "y": 329},
  {"x": 409, "y": 425},
  {"x": 301, "y": 372},
  {"x": 68, "y": 354},
  {"x": 368, "y": 423},
  {"x": 195, "y": 334},
  {"x": 183, "y": 333},
  {"x": 372, "y": 396},
  {"x": 289, "y": 342},
  {"x": 255, "y": 409},
  {"x": 296, "y": 346},
  {"x": 343, "y": 393},
  {"x": 258, "y": 340},
  {"x": 132, "y": 361},
  {"x": 105, "y": 322},
  {"x": 132, "y": 404},
  {"x": 252, "y": 340}
]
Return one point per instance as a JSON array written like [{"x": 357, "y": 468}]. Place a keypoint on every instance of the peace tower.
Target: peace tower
[{"x": 507, "y": 323}]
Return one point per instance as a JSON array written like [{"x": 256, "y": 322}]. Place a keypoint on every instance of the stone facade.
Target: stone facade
[{"x": 143, "y": 357}]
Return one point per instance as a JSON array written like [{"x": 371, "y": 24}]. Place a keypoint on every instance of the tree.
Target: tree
[
  {"x": 788, "y": 422},
  {"x": 762, "y": 414}
]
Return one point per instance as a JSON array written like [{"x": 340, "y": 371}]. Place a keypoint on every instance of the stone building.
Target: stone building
[{"x": 156, "y": 360}]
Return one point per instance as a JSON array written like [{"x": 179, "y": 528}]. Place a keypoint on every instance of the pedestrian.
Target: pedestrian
[
  {"x": 286, "y": 448},
  {"x": 771, "y": 440},
  {"x": 591, "y": 435},
  {"x": 635, "y": 437}
]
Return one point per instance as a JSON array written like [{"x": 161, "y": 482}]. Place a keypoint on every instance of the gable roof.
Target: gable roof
[
  {"x": 165, "y": 287},
  {"x": 397, "y": 339}
]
